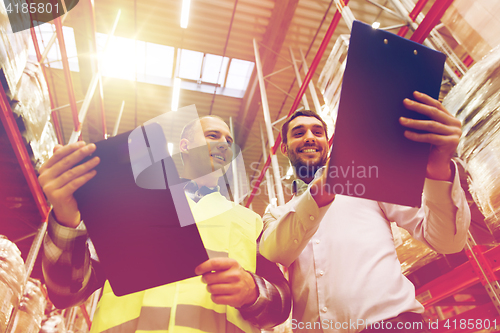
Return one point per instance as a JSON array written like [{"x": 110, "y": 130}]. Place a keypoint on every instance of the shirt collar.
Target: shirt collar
[
  {"x": 299, "y": 186},
  {"x": 195, "y": 193}
]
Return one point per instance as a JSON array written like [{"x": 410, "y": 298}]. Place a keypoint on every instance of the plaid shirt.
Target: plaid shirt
[{"x": 72, "y": 274}]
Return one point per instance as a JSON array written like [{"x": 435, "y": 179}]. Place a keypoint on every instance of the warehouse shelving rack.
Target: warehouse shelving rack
[
  {"x": 479, "y": 273},
  {"x": 483, "y": 265},
  {"x": 20, "y": 153}
]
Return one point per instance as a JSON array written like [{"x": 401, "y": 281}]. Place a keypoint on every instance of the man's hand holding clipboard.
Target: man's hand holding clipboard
[
  {"x": 443, "y": 132},
  {"x": 391, "y": 132}
]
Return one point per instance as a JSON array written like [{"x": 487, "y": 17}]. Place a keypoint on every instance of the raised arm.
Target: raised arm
[
  {"x": 444, "y": 218},
  {"x": 442, "y": 221},
  {"x": 71, "y": 275}
]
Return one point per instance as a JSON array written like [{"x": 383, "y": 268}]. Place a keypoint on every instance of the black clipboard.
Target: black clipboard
[
  {"x": 136, "y": 231},
  {"x": 370, "y": 157}
]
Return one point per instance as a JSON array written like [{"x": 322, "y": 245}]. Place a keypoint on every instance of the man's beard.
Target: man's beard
[{"x": 305, "y": 169}]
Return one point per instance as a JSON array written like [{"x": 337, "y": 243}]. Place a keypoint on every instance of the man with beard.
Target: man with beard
[
  {"x": 344, "y": 271},
  {"x": 237, "y": 290}
]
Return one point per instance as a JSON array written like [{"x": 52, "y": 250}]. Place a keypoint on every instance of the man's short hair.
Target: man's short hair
[
  {"x": 302, "y": 113},
  {"x": 187, "y": 131}
]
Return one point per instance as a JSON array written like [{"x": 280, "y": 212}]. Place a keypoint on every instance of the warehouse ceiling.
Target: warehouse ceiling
[{"x": 217, "y": 27}]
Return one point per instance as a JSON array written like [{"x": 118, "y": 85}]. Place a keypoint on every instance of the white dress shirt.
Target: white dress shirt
[{"x": 343, "y": 266}]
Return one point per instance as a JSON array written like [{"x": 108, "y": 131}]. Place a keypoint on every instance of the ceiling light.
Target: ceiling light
[
  {"x": 175, "y": 93},
  {"x": 185, "y": 13},
  {"x": 376, "y": 25}
]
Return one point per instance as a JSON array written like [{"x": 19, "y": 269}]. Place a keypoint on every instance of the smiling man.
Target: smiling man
[
  {"x": 344, "y": 271},
  {"x": 237, "y": 290},
  {"x": 209, "y": 135},
  {"x": 307, "y": 156}
]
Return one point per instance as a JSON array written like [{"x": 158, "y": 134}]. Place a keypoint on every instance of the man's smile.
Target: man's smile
[
  {"x": 219, "y": 157},
  {"x": 308, "y": 150}
]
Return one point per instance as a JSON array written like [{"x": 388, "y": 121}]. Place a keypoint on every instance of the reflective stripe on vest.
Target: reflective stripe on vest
[
  {"x": 151, "y": 319},
  {"x": 127, "y": 327},
  {"x": 192, "y": 316},
  {"x": 186, "y": 306},
  {"x": 202, "y": 319}
]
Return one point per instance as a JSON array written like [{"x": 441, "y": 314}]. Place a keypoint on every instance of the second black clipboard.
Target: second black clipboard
[
  {"x": 137, "y": 231},
  {"x": 371, "y": 158}
]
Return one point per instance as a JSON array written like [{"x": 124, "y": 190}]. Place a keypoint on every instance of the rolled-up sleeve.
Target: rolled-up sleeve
[{"x": 70, "y": 274}]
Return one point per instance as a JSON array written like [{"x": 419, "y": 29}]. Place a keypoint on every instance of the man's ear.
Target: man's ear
[
  {"x": 284, "y": 149},
  {"x": 184, "y": 145}
]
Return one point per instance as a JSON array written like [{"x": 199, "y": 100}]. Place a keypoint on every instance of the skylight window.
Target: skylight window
[
  {"x": 44, "y": 32},
  {"x": 159, "y": 60},
  {"x": 200, "y": 72},
  {"x": 211, "y": 67},
  {"x": 121, "y": 57},
  {"x": 239, "y": 74},
  {"x": 154, "y": 63},
  {"x": 190, "y": 66}
]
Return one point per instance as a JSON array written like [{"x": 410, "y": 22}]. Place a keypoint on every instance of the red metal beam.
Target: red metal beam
[
  {"x": 303, "y": 87},
  {"x": 459, "y": 278},
  {"x": 23, "y": 158},
  {"x": 481, "y": 318},
  {"x": 402, "y": 32},
  {"x": 86, "y": 315},
  {"x": 417, "y": 9},
  {"x": 57, "y": 126},
  {"x": 67, "y": 73},
  {"x": 431, "y": 19},
  {"x": 330, "y": 142},
  {"x": 413, "y": 15},
  {"x": 312, "y": 69},
  {"x": 482, "y": 265}
]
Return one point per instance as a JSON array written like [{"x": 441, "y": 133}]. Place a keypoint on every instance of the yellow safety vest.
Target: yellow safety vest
[{"x": 185, "y": 306}]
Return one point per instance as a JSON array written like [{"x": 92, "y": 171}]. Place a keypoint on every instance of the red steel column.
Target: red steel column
[
  {"x": 303, "y": 87},
  {"x": 431, "y": 20},
  {"x": 413, "y": 15},
  {"x": 22, "y": 155}
]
